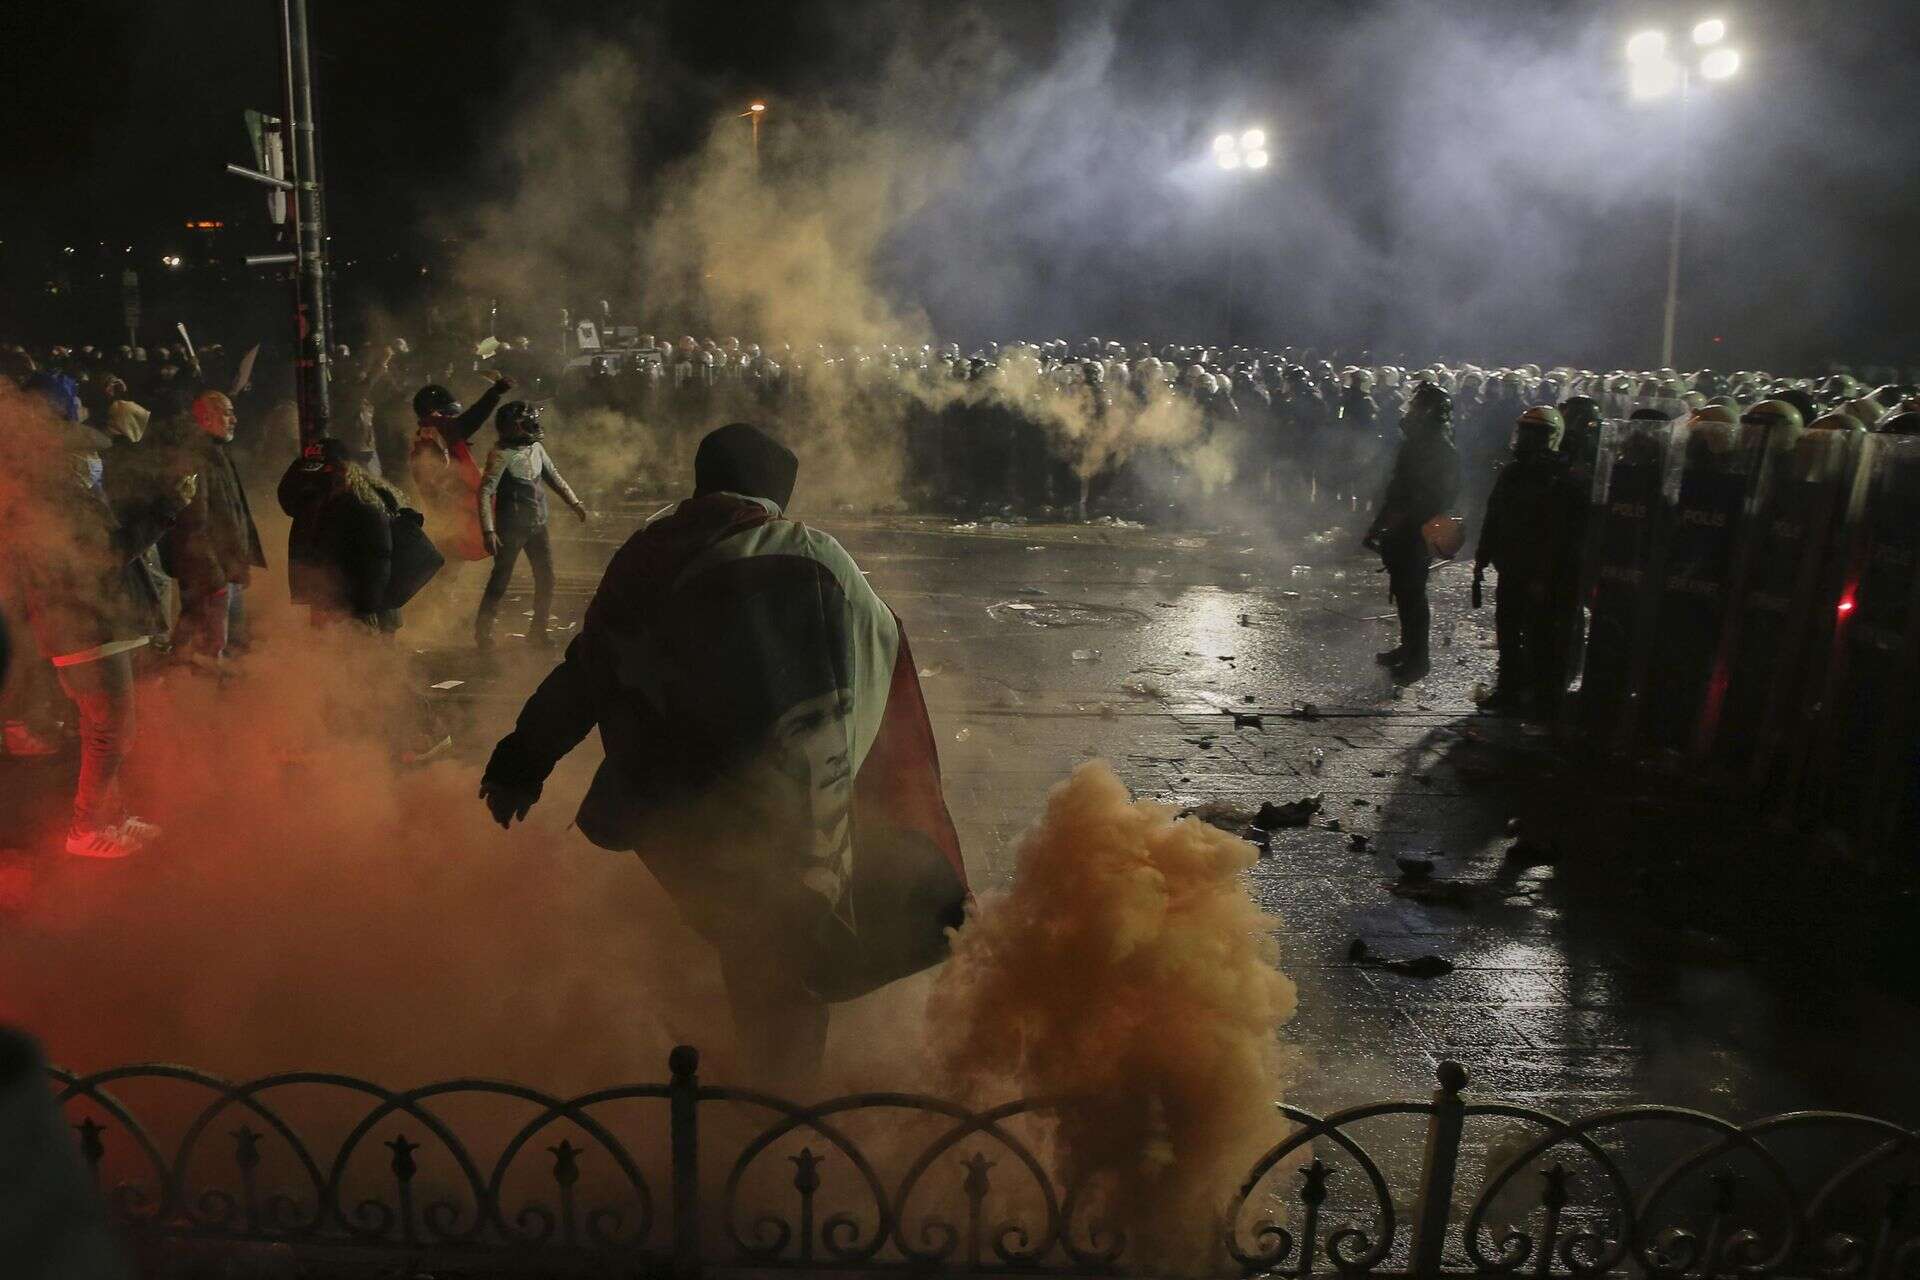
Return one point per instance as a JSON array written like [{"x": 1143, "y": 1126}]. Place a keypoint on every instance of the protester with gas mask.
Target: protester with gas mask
[
  {"x": 1422, "y": 485},
  {"x": 513, "y": 517},
  {"x": 768, "y": 752},
  {"x": 213, "y": 548}
]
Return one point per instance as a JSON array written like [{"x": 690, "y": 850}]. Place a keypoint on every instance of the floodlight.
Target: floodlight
[
  {"x": 1647, "y": 47},
  {"x": 1720, "y": 64}
]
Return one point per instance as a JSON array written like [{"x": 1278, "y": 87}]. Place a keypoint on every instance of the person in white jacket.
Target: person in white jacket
[{"x": 513, "y": 517}]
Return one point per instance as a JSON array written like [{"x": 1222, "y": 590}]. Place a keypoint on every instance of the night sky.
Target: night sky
[{"x": 1424, "y": 196}]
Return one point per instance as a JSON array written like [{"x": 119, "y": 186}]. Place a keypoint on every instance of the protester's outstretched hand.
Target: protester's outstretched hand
[{"x": 507, "y": 803}]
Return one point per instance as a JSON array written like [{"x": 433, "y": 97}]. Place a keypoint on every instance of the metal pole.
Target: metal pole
[
  {"x": 1439, "y": 1167},
  {"x": 1233, "y": 251},
  {"x": 1673, "y": 240},
  {"x": 316, "y": 406},
  {"x": 683, "y": 1116}
]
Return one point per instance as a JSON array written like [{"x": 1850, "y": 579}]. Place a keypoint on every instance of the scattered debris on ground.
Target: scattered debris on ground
[
  {"x": 1246, "y": 719},
  {"x": 1359, "y": 842},
  {"x": 1140, "y": 687},
  {"x": 1427, "y": 966},
  {"x": 1415, "y": 868},
  {"x": 1294, "y": 813}
]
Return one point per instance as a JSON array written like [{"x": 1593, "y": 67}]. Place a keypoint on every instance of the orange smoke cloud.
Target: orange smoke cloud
[{"x": 1128, "y": 968}]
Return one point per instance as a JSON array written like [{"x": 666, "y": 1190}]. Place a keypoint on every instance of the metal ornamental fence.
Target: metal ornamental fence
[{"x": 682, "y": 1178}]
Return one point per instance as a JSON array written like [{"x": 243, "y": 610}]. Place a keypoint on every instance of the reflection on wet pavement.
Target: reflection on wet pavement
[{"x": 1220, "y": 667}]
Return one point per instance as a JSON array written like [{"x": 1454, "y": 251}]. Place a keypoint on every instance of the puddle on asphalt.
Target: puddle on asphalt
[{"x": 1065, "y": 613}]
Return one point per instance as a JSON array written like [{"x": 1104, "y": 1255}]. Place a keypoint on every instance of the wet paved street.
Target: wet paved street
[{"x": 1610, "y": 964}]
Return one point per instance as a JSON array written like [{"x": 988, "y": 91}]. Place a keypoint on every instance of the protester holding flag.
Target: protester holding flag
[{"x": 768, "y": 751}]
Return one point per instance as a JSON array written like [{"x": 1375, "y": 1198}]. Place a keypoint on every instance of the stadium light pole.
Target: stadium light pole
[
  {"x": 1238, "y": 155},
  {"x": 1654, "y": 72}
]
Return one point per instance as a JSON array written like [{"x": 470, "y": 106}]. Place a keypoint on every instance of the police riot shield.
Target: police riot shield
[
  {"x": 1754, "y": 700},
  {"x": 1710, "y": 471},
  {"x": 1863, "y": 775},
  {"x": 1625, "y": 530}
]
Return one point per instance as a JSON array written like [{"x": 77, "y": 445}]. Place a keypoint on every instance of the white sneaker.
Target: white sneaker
[
  {"x": 139, "y": 832},
  {"x": 22, "y": 742},
  {"x": 100, "y": 842}
]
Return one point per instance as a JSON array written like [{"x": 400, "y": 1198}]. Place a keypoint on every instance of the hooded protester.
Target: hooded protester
[
  {"x": 513, "y": 518},
  {"x": 768, "y": 752},
  {"x": 213, "y": 548},
  {"x": 348, "y": 553},
  {"x": 1423, "y": 484},
  {"x": 83, "y": 600},
  {"x": 445, "y": 476}
]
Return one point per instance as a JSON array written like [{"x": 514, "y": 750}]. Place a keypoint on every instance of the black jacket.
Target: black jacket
[
  {"x": 1423, "y": 484},
  {"x": 1532, "y": 519},
  {"x": 340, "y": 548}
]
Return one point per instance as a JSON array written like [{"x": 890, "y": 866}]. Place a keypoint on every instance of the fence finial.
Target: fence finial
[
  {"x": 1452, "y": 1076},
  {"x": 684, "y": 1060}
]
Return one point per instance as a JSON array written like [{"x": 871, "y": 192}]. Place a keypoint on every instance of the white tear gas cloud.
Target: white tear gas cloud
[{"x": 1470, "y": 181}]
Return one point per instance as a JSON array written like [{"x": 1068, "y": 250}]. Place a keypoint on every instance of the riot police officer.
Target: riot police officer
[
  {"x": 1529, "y": 534},
  {"x": 1423, "y": 483}
]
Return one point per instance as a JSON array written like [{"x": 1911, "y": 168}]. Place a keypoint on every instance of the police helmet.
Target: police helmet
[
  {"x": 1837, "y": 421},
  {"x": 1539, "y": 430},
  {"x": 1580, "y": 411},
  {"x": 1431, "y": 400},
  {"x": 1777, "y": 412}
]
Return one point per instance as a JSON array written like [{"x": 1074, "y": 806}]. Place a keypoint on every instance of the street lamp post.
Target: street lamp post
[
  {"x": 1655, "y": 73},
  {"x": 752, "y": 115},
  {"x": 1237, "y": 154}
]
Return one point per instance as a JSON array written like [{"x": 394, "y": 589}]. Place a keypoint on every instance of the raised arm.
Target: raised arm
[{"x": 463, "y": 427}]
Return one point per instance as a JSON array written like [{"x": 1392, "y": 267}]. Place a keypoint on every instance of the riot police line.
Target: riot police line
[
  {"x": 1742, "y": 588},
  {"x": 1751, "y": 606}
]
